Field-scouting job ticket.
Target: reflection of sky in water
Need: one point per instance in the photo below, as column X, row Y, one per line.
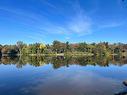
column 74, row 80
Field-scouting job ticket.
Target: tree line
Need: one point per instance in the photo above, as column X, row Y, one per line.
column 57, row 47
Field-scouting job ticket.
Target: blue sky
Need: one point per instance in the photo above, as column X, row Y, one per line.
column 65, row 20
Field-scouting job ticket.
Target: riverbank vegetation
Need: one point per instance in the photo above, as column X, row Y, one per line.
column 61, row 48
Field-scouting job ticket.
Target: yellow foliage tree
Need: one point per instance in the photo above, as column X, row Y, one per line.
column 42, row 46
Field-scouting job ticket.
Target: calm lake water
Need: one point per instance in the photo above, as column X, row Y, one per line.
column 62, row 75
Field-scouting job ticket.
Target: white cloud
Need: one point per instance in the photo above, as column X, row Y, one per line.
column 67, row 38
column 77, row 23
column 80, row 23
column 111, row 25
column 48, row 4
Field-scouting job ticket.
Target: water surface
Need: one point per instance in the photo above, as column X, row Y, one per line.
column 62, row 75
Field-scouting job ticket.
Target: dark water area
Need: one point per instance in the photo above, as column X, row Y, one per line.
column 62, row 75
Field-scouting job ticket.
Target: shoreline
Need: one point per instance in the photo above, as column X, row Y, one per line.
column 61, row 54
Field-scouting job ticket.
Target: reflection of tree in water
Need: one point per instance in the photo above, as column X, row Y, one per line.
column 60, row 61
column 9, row 60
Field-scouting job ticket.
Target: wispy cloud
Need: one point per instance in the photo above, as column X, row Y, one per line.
column 48, row 4
column 76, row 24
column 67, row 38
column 36, row 38
column 80, row 23
column 111, row 25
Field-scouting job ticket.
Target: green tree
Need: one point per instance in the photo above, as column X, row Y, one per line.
column 82, row 47
column 59, row 47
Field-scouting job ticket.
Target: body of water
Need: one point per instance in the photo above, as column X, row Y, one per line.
column 62, row 76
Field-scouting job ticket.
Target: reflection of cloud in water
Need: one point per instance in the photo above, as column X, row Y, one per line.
column 2, row 85
column 73, row 82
